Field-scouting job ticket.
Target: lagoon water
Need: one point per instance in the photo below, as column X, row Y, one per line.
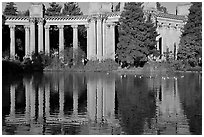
column 102, row 103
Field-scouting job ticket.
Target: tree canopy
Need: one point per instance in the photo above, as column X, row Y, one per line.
column 71, row 8
column 10, row 9
column 54, row 9
column 137, row 36
column 161, row 8
column 190, row 47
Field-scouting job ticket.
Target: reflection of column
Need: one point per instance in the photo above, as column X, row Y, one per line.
column 27, row 40
column 91, row 98
column 27, row 92
column 12, row 41
column 99, row 100
column 61, row 38
column 40, row 102
column 75, row 96
column 47, row 100
column 40, row 35
column 61, row 97
column 110, row 98
column 32, row 101
column 99, row 38
column 32, row 36
column 13, row 100
column 47, row 39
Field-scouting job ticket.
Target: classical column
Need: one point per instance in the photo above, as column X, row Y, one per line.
column 93, row 39
column 110, row 37
column 88, row 42
column 104, row 39
column 27, row 40
column 61, row 39
column 99, row 38
column 75, row 40
column 47, row 39
column 12, row 41
column 40, row 35
column 32, row 36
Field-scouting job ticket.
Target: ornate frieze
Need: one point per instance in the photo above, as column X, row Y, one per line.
column 40, row 20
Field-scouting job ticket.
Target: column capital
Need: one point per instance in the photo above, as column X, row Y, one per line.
column 60, row 26
column 74, row 26
column 40, row 20
column 12, row 26
column 32, row 20
column 87, row 25
column 111, row 25
column 26, row 27
column 47, row 26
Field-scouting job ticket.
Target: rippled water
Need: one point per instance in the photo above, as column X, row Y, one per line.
column 101, row 103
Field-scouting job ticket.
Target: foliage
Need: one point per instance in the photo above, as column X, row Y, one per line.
column 190, row 47
column 161, row 8
column 104, row 65
column 117, row 7
column 10, row 9
column 54, row 9
column 72, row 9
column 137, row 36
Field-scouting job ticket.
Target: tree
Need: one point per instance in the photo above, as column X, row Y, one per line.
column 161, row 8
column 54, row 9
column 71, row 8
column 117, row 7
column 137, row 36
column 10, row 9
column 190, row 47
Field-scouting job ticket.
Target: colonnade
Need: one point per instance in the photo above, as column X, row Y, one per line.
column 100, row 37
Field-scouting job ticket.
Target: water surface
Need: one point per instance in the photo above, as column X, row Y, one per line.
column 102, row 103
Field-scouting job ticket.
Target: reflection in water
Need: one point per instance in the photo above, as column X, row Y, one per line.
column 96, row 103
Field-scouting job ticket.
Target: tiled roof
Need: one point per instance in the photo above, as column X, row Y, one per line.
column 171, row 16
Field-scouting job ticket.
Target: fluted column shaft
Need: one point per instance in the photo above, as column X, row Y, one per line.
column 93, row 39
column 88, row 42
column 40, row 35
column 110, row 49
column 12, row 41
column 99, row 39
column 27, row 40
column 61, row 39
column 104, row 40
column 32, row 36
column 47, row 39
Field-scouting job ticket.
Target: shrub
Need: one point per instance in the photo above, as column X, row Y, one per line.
column 104, row 65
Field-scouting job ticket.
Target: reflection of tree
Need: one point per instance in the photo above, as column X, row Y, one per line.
column 191, row 97
column 136, row 104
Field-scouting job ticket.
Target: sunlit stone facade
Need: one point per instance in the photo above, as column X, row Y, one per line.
column 100, row 25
